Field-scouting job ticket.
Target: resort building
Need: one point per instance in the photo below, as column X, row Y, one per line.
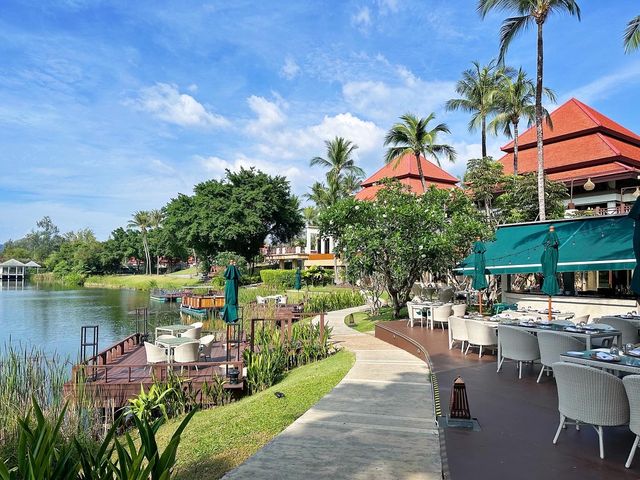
column 406, row 171
column 596, row 158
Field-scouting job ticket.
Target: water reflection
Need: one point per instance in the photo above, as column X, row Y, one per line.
column 52, row 316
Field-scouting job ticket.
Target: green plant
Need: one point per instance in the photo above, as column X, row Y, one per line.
column 147, row 405
column 327, row 302
column 278, row 278
column 315, row 275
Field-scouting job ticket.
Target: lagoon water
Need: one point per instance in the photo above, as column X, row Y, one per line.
column 51, row 316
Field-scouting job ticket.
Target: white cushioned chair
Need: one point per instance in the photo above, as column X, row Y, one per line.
column 458, row 327
column 589, row 395
column 441, row 315
column 632, row 387
column 518, row 345
column 459, row 309
column 187, row 353
column 481, row 336
column 193, row 333
column 551, row 345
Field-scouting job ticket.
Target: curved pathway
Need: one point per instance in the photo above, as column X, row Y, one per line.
column 377, row 423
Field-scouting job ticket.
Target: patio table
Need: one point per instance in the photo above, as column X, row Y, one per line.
column 173, row 329
column 627, row 363
column 584, row 334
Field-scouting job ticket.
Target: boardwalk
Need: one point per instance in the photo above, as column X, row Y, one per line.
column 518, row 419
column 378, row 423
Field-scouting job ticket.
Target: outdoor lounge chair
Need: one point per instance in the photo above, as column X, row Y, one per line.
column 458, row 327
column 551, row 345
column 518, row 345
column 480, row 335
column 589, row 395
column 441, row 315
column 416, row 313
column 632, row 387
column 206, row 345
column 459, row 309
column 193, row 333
column 155, row 354
column 187, row 353
column 628, row 328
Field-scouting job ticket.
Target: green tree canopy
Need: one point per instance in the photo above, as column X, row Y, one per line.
column 484, row 178
column 400, row 235
column 518, row 202
column 235, row 214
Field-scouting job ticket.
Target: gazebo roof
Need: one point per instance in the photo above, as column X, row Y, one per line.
column 12, row 263
column 33, row 264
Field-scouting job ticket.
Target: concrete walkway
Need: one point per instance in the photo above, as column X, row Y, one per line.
column 377, row 423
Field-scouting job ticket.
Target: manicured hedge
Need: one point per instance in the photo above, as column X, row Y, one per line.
column 278, row 278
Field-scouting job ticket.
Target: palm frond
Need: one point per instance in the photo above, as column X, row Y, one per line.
column 511, row 27
column 632, row 35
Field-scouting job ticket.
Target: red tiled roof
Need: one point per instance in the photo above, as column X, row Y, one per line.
column 407, row 167
column 369, row 192
column 574, row 118
column 582, row 142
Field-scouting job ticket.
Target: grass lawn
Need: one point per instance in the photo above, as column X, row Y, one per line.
column 220, row 439
column 139, row 282
column 186, row 271
column 365, row 322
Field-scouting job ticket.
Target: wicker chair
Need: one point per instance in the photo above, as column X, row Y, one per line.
column 206, row 345
column 155, row 354
column 458, row 327
column 632, row 387
column 193, row 333
column 187, row 353
column 416, row 314
column 459, row 309
column 480, row 335
column 562, row 323
column 197, row 325
column 628, row 328
column 551, row 345
column 441, row 315
column 518, row 345
column 589, row 395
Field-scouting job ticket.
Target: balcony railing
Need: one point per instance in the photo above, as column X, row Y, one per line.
column 620, row 209
column 274, row 251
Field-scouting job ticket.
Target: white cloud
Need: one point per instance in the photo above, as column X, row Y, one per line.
column 388, row 6
column 164, row 101
column 362, row 18
column 385, row 101
column 290, row 69
column 269, row 115
column 606, row 85
column 216, row 166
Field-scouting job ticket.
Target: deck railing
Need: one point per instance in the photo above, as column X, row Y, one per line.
column 116, row 350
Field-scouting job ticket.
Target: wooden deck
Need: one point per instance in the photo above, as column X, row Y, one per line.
column 518, row 418
column 116, row 374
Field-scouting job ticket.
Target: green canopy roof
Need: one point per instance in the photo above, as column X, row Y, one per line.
column 592, row 243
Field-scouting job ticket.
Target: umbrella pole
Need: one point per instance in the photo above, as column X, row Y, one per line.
column 480, row 301
column 549, row 307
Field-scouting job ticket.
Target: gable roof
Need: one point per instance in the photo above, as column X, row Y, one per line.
column 582, row 142
column 12, row 263
column 406, row 170
column 32, row 264
column 571, row 119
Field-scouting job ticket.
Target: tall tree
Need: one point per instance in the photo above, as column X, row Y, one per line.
column 339, row 160
column 156, row 217
column 413, row 136
column 515, row 101
column 323, row 195
column 142, row 221
column 632, row 35
column 526, row 13
column 478, row 88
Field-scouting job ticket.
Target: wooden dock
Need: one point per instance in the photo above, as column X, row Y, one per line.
column 116, row 374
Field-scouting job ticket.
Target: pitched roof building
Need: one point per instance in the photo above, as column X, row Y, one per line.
column 406, row 171
column 583, row 147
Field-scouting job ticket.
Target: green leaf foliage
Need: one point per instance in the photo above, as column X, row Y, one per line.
column 278, row 278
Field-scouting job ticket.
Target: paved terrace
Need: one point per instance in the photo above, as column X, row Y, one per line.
column 518, row 420
column 377, row 423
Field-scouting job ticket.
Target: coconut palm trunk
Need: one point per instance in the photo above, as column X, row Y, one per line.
column 422, row 182
column 484, row 136
column 515, row 149
column 539, row 133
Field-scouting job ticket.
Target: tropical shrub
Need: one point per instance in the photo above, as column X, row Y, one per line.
column 315, row 275
column 149, row 405
column 278, row 278
column 327, row 302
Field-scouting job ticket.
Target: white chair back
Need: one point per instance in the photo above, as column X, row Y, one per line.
column 197, row 325
column 261, row 300
column 441, row 314
column 281, row 300
column 517, row 344
column 458, row 328
column 480, row 334
column 193, row 333
column 581, row 319
column 154, row 353
column 206, row 344
column 628, row 328
column 552, row 344
column 459, row 309
column 632, row 387
column 187, row 352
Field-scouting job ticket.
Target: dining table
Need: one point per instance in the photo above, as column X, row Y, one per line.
column 173, row 329
column 619, row 362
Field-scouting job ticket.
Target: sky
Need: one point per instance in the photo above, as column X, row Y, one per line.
column 113, row 106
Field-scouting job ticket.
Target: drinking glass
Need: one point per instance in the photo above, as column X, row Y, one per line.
column 614, row 350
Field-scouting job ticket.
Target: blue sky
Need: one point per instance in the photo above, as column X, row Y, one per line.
column 107, row 107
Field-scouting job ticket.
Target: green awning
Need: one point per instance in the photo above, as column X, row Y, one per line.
column 586, row 244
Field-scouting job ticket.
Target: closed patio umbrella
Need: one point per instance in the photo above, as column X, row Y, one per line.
column 479, row 281
column 635, row 214
column 549, row 261
column 230, row 310
column 298, row 283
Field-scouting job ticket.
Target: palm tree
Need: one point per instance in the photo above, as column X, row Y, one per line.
column 528, row 12
column 632, row 35
column 478, row 88
column 413, row 136
column 323, row 195
column 350, row 184
column 515, row 101
column 310, row 215
column 142, row 221
column 156, row 217
column 339, row 159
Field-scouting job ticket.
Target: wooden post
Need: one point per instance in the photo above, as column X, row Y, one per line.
column 253, row 334
column 321, row 328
